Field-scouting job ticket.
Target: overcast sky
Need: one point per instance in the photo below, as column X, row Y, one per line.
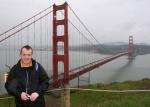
column 108, row 20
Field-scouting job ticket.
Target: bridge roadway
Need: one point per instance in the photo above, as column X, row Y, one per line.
column 74, row 73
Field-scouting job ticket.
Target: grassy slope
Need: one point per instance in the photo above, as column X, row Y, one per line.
column 103, row 99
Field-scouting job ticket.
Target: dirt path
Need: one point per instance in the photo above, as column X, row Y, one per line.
column 55, row 102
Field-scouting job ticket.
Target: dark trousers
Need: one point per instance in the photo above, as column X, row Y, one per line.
column 40, row 102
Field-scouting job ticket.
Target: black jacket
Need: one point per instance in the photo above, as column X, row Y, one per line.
column 27, row 79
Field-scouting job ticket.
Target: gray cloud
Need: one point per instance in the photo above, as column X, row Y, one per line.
column 108, row 20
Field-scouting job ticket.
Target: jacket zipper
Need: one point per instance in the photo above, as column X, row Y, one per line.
column 27, row 81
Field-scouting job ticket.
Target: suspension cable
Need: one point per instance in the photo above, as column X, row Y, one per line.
column 81, row 33
column 25, row 21
column 88, row 30
column 25, row 26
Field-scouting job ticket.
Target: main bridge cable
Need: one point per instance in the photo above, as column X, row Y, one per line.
column 108, row 50
column 79, row 31
column 25, row 26
column 25, row 21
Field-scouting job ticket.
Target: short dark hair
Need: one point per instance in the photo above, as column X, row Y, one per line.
column 26, row 47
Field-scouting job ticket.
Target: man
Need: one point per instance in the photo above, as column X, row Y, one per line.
column 27, row 81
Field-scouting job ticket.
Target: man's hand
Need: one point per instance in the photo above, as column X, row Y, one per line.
column 34, row 96
column 25, row 96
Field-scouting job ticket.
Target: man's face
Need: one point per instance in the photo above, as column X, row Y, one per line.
column 26, row 55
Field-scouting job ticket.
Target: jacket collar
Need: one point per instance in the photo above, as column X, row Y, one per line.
column 32, row 64
column 21, row 64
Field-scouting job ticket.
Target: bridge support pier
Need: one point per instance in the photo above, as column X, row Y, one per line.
column 65, row 96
